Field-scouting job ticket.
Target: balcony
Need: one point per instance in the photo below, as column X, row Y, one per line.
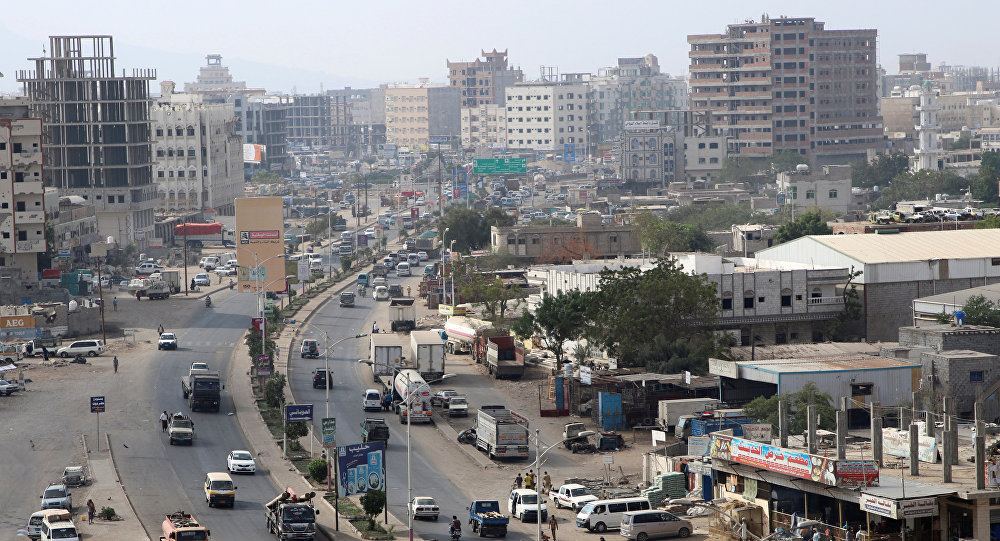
column 826, row 301
column 29, row 217
column 29, row 187
column 37, row 245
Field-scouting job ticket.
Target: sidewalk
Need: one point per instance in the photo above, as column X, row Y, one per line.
column 107, row 491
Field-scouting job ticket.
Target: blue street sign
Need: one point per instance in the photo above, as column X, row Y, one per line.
column 97, row 404
column 298, row 412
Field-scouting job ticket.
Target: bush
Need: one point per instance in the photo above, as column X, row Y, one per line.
column 297, row 430
column 373, row 503
column 317, row 470
column 107, row 513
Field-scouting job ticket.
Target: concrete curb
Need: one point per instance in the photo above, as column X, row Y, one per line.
column 128, row 499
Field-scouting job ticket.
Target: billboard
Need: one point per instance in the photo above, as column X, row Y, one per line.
column 897, row 443
column 253, row 153
column 828, row 471
column 260, row 233
column 642, row 125
column 361, row 468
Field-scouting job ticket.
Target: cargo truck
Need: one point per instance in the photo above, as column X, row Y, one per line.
column 200, row 234
column 427, row 354
column 670, row 411
column 201, row 388
column 501, row 433
column 691, row 425
column 502, row 360
column 402, row 314
column 386, row 355
column 290, row 516
column 412, row 397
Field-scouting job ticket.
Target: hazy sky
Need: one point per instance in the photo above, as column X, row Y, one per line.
column 303, row 44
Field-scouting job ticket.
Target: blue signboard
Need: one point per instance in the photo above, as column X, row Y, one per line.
column 298, row 412
column 362, row 240
column 361, row 468
column 97, row 404
column 569, row 152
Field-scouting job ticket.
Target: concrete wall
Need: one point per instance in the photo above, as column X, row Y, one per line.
column 889, row 306
column 945, row 338
column 952, row 376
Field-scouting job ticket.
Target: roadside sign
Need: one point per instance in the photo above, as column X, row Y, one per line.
column 263, row 365
column 298, row 412
column 329, row 432
column 608, row 459
column 97, row 404
column 500, row 166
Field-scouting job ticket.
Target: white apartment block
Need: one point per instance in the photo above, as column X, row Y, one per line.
column 22, row 203
column 547, row 116
column 827, row 186
column 198, row 155
column 484, row 126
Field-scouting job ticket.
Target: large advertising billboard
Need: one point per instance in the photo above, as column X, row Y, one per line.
column 821, row 469
column 361, row 468
column 259, row 244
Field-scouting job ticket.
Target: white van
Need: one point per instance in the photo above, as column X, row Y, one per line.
column 58, row 524
column 403, row 269
column 413, row 259
column 599, row 515
column 372, row 400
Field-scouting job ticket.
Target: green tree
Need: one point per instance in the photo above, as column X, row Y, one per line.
column 373, row 503
column 317, row 470
column 880, row 171
column 981, row 311
column 766, row 409
column 44, row 259
column 253, row 340
column 465, row 227
column 720, row 216
column 296, row 430
column 632, row 308
column 920, row 185
column 661, row 236
column 274, row 390
column 985, row 185
column 557, row 320
column 988, row 222
column 265, row 177
column 809, row 223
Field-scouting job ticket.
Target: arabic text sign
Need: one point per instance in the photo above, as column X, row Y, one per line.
column 360, row 468
column 758, row 432
column 897, row 443
column 500, row 166
column 97, row 404
column 896, row 509
column 329, row 432
column 855, row 473
column 795, row 463
column 298, row 412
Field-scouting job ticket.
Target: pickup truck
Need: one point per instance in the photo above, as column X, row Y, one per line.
column 486, row 518
column 181, row 429
column 573, row 496
column 375, row 429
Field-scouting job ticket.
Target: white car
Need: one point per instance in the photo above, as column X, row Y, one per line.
column 424, row 506
column 90, row 348
column 168, row 340
column 241, row 462
column 370, row 232
column 202, row 279
column 380, row 293
column 226, row 271
column 372, row 400
column 422, row 256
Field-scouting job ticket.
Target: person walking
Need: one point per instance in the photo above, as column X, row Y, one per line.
column 547, row 486
column 115, row 363
column 529, row 480
column 374, row 327
column 553, row 526
column 518, row 480
column 115, row 303
column 45, row 353
column 91, row 511
column 138, row 295
column 159, row 329
column 163, row 420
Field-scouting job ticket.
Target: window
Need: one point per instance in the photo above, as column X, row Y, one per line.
column 636, row 506
column 832, row 194
column 748, row 302
column 863, row 389
column 976, row 376
column 810, row 194
column 617, row 508
column 786, row 300
column 727, row 304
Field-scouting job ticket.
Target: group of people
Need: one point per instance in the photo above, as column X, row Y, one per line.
column 531, row 478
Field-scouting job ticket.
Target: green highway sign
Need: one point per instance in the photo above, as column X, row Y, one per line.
column 500, row 166
column 329, row 432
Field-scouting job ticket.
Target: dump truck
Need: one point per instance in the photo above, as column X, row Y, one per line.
column 386, row 355
column 402, row 314
column 427, row 354
column 202, row 388
column 181, row 526
column 290, row 516
column 501, row 433
column 462, row 332
column 502, row 361
column 486, row 518
column 481, row 344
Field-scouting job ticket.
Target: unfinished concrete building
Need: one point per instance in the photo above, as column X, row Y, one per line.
column 96, row 132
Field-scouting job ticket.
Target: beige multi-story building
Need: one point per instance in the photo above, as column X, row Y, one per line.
column 199, row 156
column 828, row 186
column 22, row 193
column 590, row 238
column 547, row 116
column 957, row 111
column 789, row 84
column 414, row 113
column 483, row 81
column 484, row 127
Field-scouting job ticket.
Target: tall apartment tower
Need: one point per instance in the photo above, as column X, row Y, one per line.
column 22, row 203
column 483, row 81
column 789, row 84
column 96, row 132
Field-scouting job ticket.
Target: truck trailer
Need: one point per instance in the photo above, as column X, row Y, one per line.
column 386, row 355
column 501, row 433
column 427, row 354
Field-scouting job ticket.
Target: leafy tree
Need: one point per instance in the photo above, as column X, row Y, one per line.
column 766, row 409
column 988, row 222
column 465, row 227
column 373, row 503
column 981, row 311
column 920, row 185
column 274, row 390
column 633, row 308
column 809, row 223
column 253, row 340
column 716, row 217
column 497, row 217
column 965, row 142
column 265, row 177
column 557, row 320
column 297, row 429
column 491, row 292
column 880, row 171
column 317, row 470
column 741, row 168
column 661, row 236
column 44, row 259
column 686, row 353
column 985, row 185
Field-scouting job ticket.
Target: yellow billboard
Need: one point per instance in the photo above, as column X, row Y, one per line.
column 260, row 248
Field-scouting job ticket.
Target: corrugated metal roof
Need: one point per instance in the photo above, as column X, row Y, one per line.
column 991, row 292
column 915, row 246
column 803, row 351
column 828, row 364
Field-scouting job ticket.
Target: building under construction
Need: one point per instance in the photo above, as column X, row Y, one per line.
column 96, row 132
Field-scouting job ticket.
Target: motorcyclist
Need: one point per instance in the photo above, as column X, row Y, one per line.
column 208, row 301
column 456, row 526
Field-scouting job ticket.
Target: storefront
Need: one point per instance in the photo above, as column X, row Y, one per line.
column 915, row 507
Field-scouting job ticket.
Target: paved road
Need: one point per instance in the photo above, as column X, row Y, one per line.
column 162, row 478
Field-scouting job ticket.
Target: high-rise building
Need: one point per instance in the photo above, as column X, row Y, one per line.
column 789, row 84
column 484, row 127
column 367, row 114
column 97, row 132
column 414, row 113
column 199, row 155
column 320, row 122
column 548, row 116
column 22, row 194
column 482, row 81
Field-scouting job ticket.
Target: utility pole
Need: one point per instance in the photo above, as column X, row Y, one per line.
column 440, row 193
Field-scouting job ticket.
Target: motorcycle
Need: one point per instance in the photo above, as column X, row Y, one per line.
column 455, row 534
column 208, row 302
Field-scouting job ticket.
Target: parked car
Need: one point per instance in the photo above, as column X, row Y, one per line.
column 148, row 268
column 424, row 507
column 168, row 340
column 202, row 279
column 643, row 525
column 226, row 271
column 89, row 348
column 57, row 497
column 241, row 462
column 441, row 398
column 372, row 400
column 8, row 387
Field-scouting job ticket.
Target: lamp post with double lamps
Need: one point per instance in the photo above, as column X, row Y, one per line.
column 539, row 453
column 407, row 402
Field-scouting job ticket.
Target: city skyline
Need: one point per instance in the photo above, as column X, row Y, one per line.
column 408, row 43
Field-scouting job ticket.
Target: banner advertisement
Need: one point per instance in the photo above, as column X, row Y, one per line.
column 758, row 432
column 698, row 445
column 897, row 443
column 361, row 468
column 897, row 509
column 260, row 232
column 795, row 463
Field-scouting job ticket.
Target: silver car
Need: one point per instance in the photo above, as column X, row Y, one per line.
column 57, row 497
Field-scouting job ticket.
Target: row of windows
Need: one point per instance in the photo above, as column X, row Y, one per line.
column 170, row 152
column 180, row 173
column 179, row 131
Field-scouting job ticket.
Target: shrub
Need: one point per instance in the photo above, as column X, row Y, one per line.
column 317, row 470
column 107, row 513
column 373, row 503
